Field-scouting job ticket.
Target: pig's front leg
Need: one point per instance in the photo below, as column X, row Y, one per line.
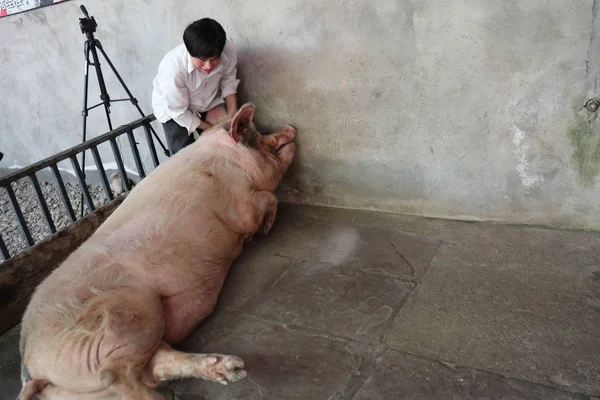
column 258, row 209
column 266, row 209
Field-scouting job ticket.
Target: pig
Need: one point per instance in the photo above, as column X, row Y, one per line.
column 104, row 324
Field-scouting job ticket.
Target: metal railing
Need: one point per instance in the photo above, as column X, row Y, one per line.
column 71, row 155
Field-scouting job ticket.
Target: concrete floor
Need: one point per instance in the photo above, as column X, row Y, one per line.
column 338, row 304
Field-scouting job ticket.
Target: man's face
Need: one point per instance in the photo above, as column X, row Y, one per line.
column 206, row 65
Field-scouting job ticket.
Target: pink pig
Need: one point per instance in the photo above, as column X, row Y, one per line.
column 102, row 324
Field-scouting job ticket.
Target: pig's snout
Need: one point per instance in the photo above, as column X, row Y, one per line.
column 290, row 131
column 286, row 137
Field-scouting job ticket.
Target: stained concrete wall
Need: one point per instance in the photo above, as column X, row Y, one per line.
column 461, row 109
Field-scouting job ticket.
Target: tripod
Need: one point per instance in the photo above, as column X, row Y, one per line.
column 92, row 45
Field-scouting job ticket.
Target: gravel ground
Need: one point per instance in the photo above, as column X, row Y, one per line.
column 9, row 226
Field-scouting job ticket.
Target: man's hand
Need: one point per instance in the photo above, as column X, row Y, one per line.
column 231, row 105
column 204, row 125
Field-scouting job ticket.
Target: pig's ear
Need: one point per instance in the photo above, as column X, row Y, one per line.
column 241, row 121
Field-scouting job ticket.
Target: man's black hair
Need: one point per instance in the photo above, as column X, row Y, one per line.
column 204, row 39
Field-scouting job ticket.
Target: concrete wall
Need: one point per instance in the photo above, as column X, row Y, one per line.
column 457, row 108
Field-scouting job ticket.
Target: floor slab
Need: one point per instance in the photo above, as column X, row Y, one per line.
column 334, row 299
column 402, row 376
column 10, row 365
column 387, row 252
column 282, row 363
column 517, row 305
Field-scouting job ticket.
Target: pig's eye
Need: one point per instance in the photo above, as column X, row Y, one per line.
column 252, row 141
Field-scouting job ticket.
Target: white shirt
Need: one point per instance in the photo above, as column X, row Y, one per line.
column 180, row 90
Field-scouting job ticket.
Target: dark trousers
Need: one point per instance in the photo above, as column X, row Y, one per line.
column 177, row 136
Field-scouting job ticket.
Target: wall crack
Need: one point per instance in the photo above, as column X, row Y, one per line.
column 593, row 55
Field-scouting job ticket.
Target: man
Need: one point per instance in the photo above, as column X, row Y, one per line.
column 193, row 81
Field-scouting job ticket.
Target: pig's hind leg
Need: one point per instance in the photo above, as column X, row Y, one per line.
column 129, row 324
column 168, row 364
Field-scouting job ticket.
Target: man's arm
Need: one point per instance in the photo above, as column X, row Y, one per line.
column 231, row 104
column 204, row 125
column 173, row 88
column 229, row 81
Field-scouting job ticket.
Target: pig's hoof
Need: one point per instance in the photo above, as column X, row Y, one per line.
column 266, row 225
column 248, row 239
column 264, row 229
column 225, row 369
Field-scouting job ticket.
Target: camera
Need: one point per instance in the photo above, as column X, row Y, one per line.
column 88, row 24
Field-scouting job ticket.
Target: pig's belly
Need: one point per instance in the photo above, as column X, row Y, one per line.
column 184, row 311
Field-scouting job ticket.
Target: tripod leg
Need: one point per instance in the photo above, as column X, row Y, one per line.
column 85, row 89
column 103, row 92
column 85, row 108
column 114, row 70
column 133, row 100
